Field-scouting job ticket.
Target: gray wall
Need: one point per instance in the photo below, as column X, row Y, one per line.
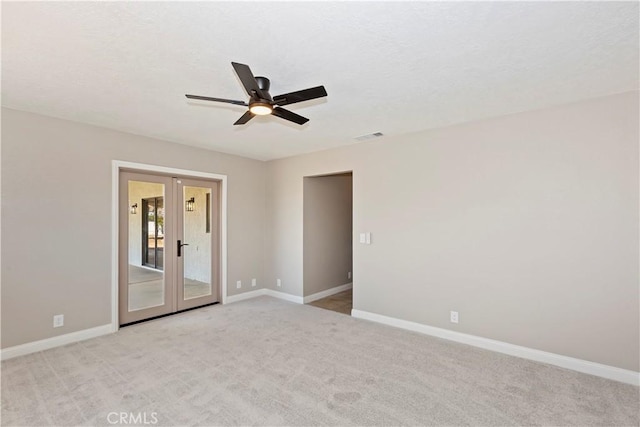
column 56, row 219
column 327, row 253
column 527, row 225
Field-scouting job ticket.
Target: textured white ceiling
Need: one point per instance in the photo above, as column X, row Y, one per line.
column 389, row 67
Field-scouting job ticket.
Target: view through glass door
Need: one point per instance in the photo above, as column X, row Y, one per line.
column 199, row 249
column 169, row 246
column 153, row 232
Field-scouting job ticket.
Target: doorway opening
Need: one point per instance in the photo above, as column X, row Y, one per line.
column 328, row 241
column 170, row 249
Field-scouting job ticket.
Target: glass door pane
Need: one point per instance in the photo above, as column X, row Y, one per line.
column 197, row 257
column 146, row 276
column 198, row 227
column 145, row 280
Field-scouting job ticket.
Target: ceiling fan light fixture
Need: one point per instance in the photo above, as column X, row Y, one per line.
column 260, row 108
column 261, row 103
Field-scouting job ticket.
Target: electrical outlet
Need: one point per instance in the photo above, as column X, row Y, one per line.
column 278, row 282
column 349, row 275
column 58, row 320
column 238, row 284
column 253, row 283
column 454, row 317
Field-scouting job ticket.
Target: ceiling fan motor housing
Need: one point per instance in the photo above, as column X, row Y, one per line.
column 264, row 84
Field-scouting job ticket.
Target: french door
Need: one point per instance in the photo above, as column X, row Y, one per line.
column 169, row 247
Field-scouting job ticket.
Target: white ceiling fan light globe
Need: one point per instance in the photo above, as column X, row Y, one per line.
column 261, row 109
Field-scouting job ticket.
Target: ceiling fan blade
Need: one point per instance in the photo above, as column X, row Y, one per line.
column 288, row 115
column 245, row 118
column 248, row 80
column 208, row 98
column 300, row 95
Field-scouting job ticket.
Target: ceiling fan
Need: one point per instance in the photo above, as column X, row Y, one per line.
column 261, row 103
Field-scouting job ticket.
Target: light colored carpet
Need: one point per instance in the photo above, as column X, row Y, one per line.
column 269, row 362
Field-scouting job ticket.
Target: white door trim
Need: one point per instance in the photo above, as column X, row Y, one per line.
column 115, row 172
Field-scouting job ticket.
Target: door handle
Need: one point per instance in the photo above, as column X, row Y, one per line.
column 180, row 245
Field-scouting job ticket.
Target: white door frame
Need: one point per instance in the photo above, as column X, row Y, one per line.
column 116, row 166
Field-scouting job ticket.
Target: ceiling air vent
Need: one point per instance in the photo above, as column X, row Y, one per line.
column 369, row 136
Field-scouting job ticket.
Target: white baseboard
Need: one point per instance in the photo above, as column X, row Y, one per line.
column 284, row 296
column 245, row 295
column 261, row 292
column 584, row 366
column 328, row 292
column 35, row 346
